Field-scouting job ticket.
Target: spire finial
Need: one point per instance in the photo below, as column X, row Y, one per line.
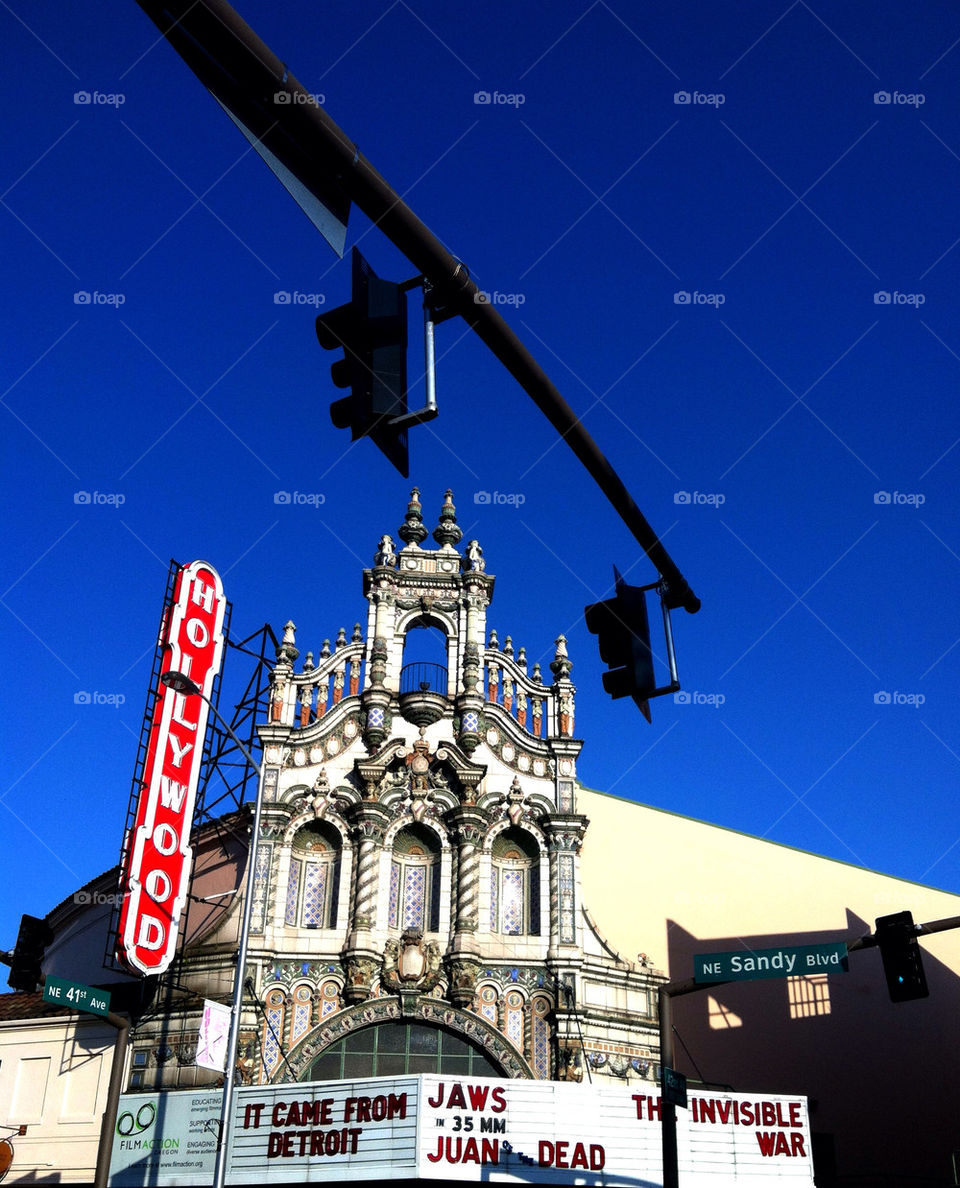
column 447, row 532
column 561, row 665
column 288, row 645
column 412, row 531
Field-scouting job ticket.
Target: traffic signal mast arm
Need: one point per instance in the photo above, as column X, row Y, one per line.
column 870, row 941
column 230, row 60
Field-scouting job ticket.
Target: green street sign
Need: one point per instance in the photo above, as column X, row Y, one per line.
column 76, row 995
column 674, row 1087
column 786, row 961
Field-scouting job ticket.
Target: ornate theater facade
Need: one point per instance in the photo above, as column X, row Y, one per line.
column 417, row 904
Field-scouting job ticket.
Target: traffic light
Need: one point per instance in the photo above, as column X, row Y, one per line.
column 624, row 631
column 371, row 329
column 32, row 939
column 902, row 957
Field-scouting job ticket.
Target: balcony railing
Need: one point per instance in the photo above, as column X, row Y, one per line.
column 423, row 677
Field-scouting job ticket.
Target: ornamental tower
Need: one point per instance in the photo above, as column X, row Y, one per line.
column 418, row 864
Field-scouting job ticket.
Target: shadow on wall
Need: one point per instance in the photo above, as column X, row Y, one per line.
column 880, row 1076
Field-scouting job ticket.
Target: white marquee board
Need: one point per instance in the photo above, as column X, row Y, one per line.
column 504, row 1131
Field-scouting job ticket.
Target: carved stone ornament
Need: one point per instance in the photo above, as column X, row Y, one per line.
column 409, row 964
column 360, row 974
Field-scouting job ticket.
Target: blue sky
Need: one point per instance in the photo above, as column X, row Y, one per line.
column 730, row 236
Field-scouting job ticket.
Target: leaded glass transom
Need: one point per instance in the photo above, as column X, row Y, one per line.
column 399, row 1049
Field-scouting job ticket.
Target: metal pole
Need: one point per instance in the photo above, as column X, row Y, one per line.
column 668, row 1111
column 430, row 376
column 109, row 1124
column 184, row 686
column 226, row 1112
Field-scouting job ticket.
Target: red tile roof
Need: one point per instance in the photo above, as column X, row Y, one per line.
column 29, row 1006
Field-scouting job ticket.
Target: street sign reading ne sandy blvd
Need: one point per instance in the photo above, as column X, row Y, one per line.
column 76, row 995
column 785, row 961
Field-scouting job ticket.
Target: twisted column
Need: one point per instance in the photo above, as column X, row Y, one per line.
column 467, row 823
column 368, row 822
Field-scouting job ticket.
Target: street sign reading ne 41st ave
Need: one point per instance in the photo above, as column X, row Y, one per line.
column 785, row 961
column 76, row 995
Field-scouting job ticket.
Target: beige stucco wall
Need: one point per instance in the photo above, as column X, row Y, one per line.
column 880, row 1075
column 54, row 1076
column 642, row 867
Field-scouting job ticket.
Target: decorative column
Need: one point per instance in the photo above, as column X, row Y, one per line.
column 283, row 695
column 564, row 837
column 563, row 689
column 380, row 587
column 368, row 821
column 467, row 824
column 375, row 698
column 470, row 701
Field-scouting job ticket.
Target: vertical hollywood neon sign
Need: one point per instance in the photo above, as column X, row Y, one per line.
column 156, row 874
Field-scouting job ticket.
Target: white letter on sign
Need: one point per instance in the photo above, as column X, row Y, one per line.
column 202, row 595
column 151, row 933
column 165, row 839
column 197, row 632
column 178, row 751
column 158, row 885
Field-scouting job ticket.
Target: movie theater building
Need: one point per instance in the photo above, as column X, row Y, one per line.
column 438, row 900
column 417, row 899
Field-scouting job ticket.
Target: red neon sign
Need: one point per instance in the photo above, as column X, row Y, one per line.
column 158, row 857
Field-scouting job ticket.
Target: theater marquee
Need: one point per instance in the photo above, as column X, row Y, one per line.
column 481, row 1129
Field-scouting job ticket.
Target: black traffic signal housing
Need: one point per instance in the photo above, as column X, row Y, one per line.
column 371, row 329
column 623, row 627
column 902, row 957
column 25, row 965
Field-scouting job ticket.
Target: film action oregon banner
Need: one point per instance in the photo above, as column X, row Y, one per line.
column 166, row 1138
column 478, row 1128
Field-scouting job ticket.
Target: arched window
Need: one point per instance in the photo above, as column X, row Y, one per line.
column 424, row 657
column 513, row 1004
column 515, row 884
column 540, row 1036
column 301, row 1010
column 314, row 879
column 400, row 1049
column 415, row 880
column 274, row 1009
